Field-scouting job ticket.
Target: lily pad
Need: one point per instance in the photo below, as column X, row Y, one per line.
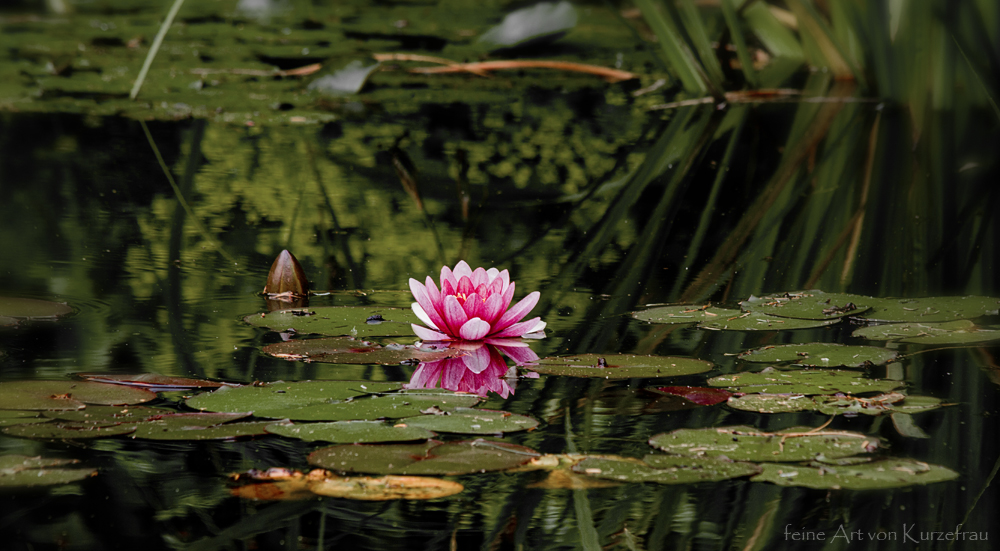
column 335, row 321
column 666, row 469
column 821, row 355
column 281, row 395
column 350, row 432
column 349, row 80
column 685, row 313
column 951, row 332
column 386, row 488
column 803, row 381
column 107, row 415
column 893, row 402
column 542, row 22
column 11, row 417
column 755, row 321
column 743, row 443
column 619, row 366
column 341, row 350
column 42, row 395
column 473, row 421
column 389, row 406
column 808, row 305
column 432, row 457
column 20, row 471
column 173, row 431
column 696, row 395
column 875, row 475
column 150, row 381
column 184, row 425
column 931, row 309
column 32, row 309
column 69, row 431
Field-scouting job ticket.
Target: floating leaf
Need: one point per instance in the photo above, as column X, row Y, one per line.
column 69, row 430
column 342, row 350
column 742, row 443
column 356, row 321
column 350, row 432
column 174, row 431
column 150, row 381
column 473, row 421
column 808, row 305
column 906, row 426
column 386, row 488
column 754, row 321
column 875, row 475
column 32, row 309
column 11, row 417
column 431, row 457
column 349, row 80
column 389, row 406
column 619, row 366
column 803, row 381
column 666, row 469
column 835, row 405
column 107, row 415
column 185, row 424
column 684, row 314
column 42, row 395
column 821, row 354
column 542, row 22
column 931, row 309
column 21, row 471
column 695, row 394
column 950, row 332
column 284, row 395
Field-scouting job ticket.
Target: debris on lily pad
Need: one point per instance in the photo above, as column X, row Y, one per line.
column 743, row 443
column 619, row 366
column 893, row 402
column 283, row 395
column 286, row 484
column 150, row 381
column 473, row 421
column 336, row 321
column 702, row 396
column 431, row 458
column 21, row 471
column 755, row 321
column 666, row 469
column 17, row 309
column 350, row 432
column 44, row 395
column 545, row 21
column 397, row 405
column 874, row 475
column 808, row 305
column 341, row 350
column 949, row 332
column 685, row 313
column 931, row 309
column 803, row 381
column 820, row 354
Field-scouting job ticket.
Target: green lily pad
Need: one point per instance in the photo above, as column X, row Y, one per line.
column 42, row 395
column 33, row 309
column 743, row 443
column 619, row 366
column 69, row 430
column 755, row 321
column 473, row 421
column 342, row 350
column 803, row 381
column 665, row 469
column 808, row 305
column 950, row 332
column 821, row 354
column 388, row 406
column 835, row 405
column 350, row 432
column 335, row 321
column 20, row 471
column 284, row 395
column 156, row 431
column 12, row 417
column 179, row 426
column 108, row 415
column 151, row 381
column 931, row 309
column 875, row 475
column 686, row 313
column 431, row 458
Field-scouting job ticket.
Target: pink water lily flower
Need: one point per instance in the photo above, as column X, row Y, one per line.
column 471, row 305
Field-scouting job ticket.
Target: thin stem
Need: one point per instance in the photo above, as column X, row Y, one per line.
column 155, row 48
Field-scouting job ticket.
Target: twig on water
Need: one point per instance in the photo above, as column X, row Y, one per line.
column 611, row 75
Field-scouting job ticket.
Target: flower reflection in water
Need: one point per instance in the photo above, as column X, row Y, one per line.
column 480, row 370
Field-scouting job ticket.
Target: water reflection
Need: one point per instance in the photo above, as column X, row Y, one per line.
column 481, row 370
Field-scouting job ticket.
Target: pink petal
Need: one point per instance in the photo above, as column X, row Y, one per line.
column 447, row 287
column 540, row 326
column 473, row 305
column 454, row 315
column 491, row 310
column 462, row 269
column 518, row 329
column 474, row 329
column 428, row 334
column 423, row 297
column 448, row 276
column 492, row 274
column 479, row 277
column 520, row 356
column 495, row 287
column 505, row 278
column 432, row 292
column 419, row 311
column 465, row 287
column 452, row 373
column 478, row 360
column 518, row 311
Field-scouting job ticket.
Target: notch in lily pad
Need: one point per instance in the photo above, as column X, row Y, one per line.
column 808, row 305
column 619, row 366
column 874, row 475
column 743, row 443
column 685, row 313
column 803, row 381
column 429, row 458
column 820, row 354
column 950, row 332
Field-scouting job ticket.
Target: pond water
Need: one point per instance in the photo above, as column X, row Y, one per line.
column 583, row 194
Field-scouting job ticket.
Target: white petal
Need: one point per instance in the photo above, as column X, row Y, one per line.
column 419, row 311
column 429, row 335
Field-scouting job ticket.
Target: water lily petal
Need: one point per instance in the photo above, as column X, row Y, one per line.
column 505, row 278
column 517, row 312
column 429, row 334
column 479, row 277
column 454, row 315
column 465, row 286
column 538, row 327
column 492, row 274
column 423, row 296
column 474, row 329
column 491, row 309
column 462, row 269
column 518, row 329
column 447, row 288
column 478, row 360
column 419, row 311
column 520, row 355
column 473, row 305
column 448, row 276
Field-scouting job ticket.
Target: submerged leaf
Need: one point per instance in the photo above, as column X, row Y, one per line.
column 742, row 443
column 21, row 471
column 686, row 313
column 619, row 366
column 33, row 309
column 887, row 473
column 432, row 457
column 803, row 381
column 695, row 394
column 821, row 354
